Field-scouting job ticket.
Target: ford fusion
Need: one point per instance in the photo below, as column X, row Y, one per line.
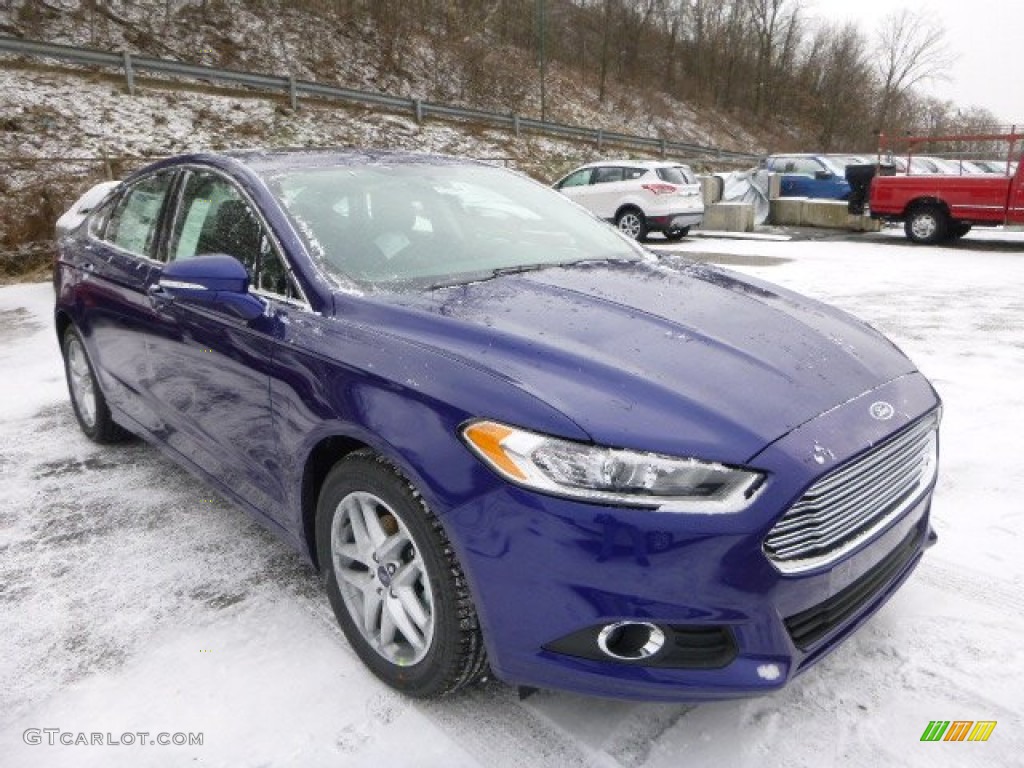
column 508, row 438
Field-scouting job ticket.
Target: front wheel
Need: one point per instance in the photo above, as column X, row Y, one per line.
column 632, row 224
column 394, row 583
column 926, row 225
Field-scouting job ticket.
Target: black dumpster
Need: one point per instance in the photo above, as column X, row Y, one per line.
column 859, row 177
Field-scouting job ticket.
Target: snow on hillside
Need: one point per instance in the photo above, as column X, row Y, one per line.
column 282, row 38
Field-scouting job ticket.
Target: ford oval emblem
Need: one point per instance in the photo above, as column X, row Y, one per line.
column 882, row 411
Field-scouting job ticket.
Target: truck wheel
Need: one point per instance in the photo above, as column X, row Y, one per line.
column 926, row 224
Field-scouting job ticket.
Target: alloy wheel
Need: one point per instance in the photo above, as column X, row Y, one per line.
column 83, row 387
column 382, row 578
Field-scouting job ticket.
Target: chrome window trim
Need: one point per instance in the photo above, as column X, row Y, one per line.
column 114, row 201
column 301, row 301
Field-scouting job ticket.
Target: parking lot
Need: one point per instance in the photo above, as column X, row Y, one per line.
column 136, row 600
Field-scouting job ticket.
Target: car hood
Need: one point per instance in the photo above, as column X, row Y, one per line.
column 684, row 359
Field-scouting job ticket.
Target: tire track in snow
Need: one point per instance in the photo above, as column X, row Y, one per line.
column 632, row 741
column 981, row 588
column 490, row 724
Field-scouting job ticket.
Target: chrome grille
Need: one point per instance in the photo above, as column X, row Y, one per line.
column 851, row 503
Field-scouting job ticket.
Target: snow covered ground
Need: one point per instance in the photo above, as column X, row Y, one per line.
column 134, row 600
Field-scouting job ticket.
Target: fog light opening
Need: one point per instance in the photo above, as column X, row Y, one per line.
column 630, row 640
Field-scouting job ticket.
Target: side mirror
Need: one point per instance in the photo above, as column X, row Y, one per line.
column 217, row 281
column 823, row 175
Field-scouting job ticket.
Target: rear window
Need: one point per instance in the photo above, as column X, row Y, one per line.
column 677, row 175
column 605, row 175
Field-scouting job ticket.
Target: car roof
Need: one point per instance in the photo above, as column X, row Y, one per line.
column 649, row 164
column 269, row 160
column 306, row 157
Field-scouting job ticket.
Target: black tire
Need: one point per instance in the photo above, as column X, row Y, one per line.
column 632, row 223
column 676, row 234
column 926, row 224
column 87, row 399
column 453, row 656
column 958, row 230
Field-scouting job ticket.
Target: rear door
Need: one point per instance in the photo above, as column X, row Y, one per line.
column 117, row 256
column 606, row 190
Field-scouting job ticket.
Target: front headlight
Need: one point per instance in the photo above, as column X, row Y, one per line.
column 611, row 475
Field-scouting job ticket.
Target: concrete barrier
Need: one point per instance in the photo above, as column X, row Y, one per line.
column 825, row 214
column 729, row 217
column 828, row 214
column 786, row 211
column 711, row 189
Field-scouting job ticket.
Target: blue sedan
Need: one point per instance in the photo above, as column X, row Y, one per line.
column 506, row 436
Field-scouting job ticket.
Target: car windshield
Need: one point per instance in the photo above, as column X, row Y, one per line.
column 421, row 225
column 844, row 160
column 834, row 165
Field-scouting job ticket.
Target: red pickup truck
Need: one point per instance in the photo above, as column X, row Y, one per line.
column 938, row 208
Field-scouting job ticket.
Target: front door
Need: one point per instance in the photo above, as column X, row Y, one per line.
column 211, row 378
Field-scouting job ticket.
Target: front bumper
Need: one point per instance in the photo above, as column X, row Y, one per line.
column 543, row 568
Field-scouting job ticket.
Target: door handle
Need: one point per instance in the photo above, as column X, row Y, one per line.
column 158, row 296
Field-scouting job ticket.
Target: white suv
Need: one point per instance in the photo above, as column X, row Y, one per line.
column 638, row 195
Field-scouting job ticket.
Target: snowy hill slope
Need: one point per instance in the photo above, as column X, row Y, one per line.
column 63, row 129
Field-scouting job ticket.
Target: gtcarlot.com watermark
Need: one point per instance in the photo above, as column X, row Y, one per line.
column 55, row 736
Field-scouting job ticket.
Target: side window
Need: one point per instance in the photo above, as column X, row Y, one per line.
column 98, row 219
column 133, row 221
column 215, row 218
column 633, row 173
column 606, row 174
column 806, row 166
column 272, row 276
column 578, row 179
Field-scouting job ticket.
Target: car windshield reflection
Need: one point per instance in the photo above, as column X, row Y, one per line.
column 401, row 227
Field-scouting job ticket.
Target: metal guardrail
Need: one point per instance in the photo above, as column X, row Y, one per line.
column 131, row 64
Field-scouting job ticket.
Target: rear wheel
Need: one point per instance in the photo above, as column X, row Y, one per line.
column 394, row 582
column 631, row 223
column 677, row 234
column 86, row 397
column 926, row 224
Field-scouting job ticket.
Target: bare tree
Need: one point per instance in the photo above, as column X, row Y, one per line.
column 835, row 81
column 911, row 48
column 774, row 25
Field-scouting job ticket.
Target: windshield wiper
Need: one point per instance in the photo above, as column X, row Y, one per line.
column 517, row 269
column 480, row 277
column 520, row 268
